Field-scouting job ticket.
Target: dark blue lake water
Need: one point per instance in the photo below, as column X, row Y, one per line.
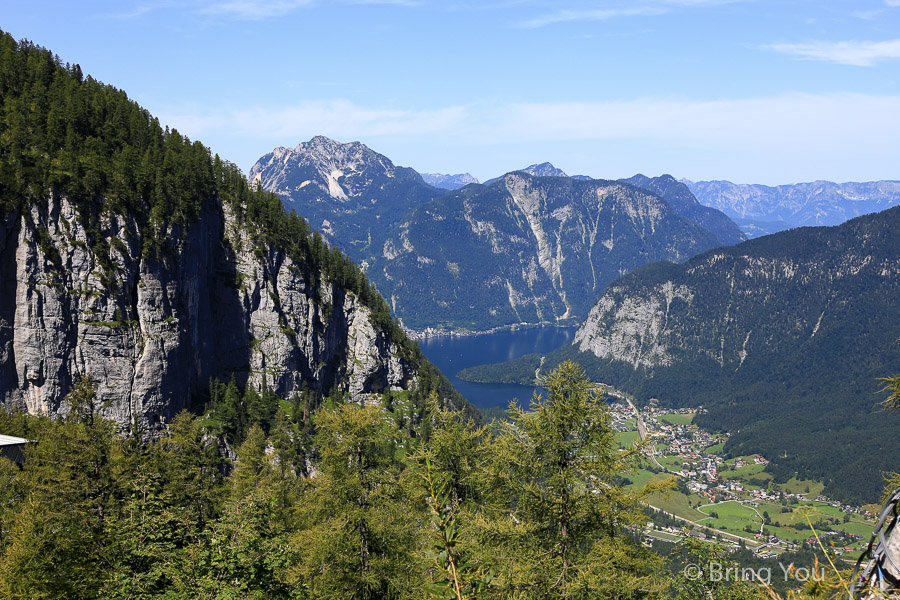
column 452, row 354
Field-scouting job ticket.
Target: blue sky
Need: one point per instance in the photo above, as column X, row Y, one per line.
column 753, row 91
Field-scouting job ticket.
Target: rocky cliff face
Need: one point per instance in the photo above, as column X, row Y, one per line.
column 525, row 250
column 152, row 332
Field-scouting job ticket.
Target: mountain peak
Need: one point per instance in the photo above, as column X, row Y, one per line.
column 544, row 169
column 338, row 170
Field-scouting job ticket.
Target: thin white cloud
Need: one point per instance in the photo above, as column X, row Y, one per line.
column 861, row 54
column 646, row 8
column 893, row 3
column 602, row 14
column 828, row 127
column 836, row 121
column 254, row 9
column 249, row 10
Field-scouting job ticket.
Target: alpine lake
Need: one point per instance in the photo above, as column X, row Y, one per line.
column 451, row 354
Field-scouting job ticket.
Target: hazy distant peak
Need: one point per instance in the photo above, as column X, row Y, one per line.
column 448, row 182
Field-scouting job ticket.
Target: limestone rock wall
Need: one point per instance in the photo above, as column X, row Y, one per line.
column 153, row 331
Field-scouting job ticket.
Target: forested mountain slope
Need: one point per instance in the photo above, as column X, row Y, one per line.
column 129, row 254
column 782, row 338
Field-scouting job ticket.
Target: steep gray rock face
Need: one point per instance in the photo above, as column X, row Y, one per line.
column 526, row 250
column 152, row 331
column 801, row 204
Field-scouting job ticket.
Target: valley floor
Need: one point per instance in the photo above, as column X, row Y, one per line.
column 731, row 499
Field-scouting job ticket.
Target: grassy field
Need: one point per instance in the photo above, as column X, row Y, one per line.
column 826, row 512
column 675, row 419
column 715, row 449
column 747, row 473
column 797, row 486
column 626, row 439
column 670, row 462
column 640, row 477
column 664, row 535
column 677, row 504
column 732, row 517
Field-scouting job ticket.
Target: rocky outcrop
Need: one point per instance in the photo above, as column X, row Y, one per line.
column 152, row 330
column 685, row 204
column 525, row 249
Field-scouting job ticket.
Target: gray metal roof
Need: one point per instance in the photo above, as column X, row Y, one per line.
column 8, row 440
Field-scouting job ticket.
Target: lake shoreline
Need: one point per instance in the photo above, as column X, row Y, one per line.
column 430, row 333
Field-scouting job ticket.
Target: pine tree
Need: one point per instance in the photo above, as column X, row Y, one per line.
column 560, row 511
column 355, row 539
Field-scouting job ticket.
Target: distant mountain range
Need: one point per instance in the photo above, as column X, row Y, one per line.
column 761, row 209
column 534, row 246
column 782, row 339
column 448, row 182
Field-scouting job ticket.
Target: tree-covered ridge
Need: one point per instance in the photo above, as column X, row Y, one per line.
column 63, row 134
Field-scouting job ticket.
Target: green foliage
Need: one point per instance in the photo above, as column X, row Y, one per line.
column 521, row 371
column 555, row 474
column 535, row 513
column 704, row 576
column 355, row 541
column 458, row 579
